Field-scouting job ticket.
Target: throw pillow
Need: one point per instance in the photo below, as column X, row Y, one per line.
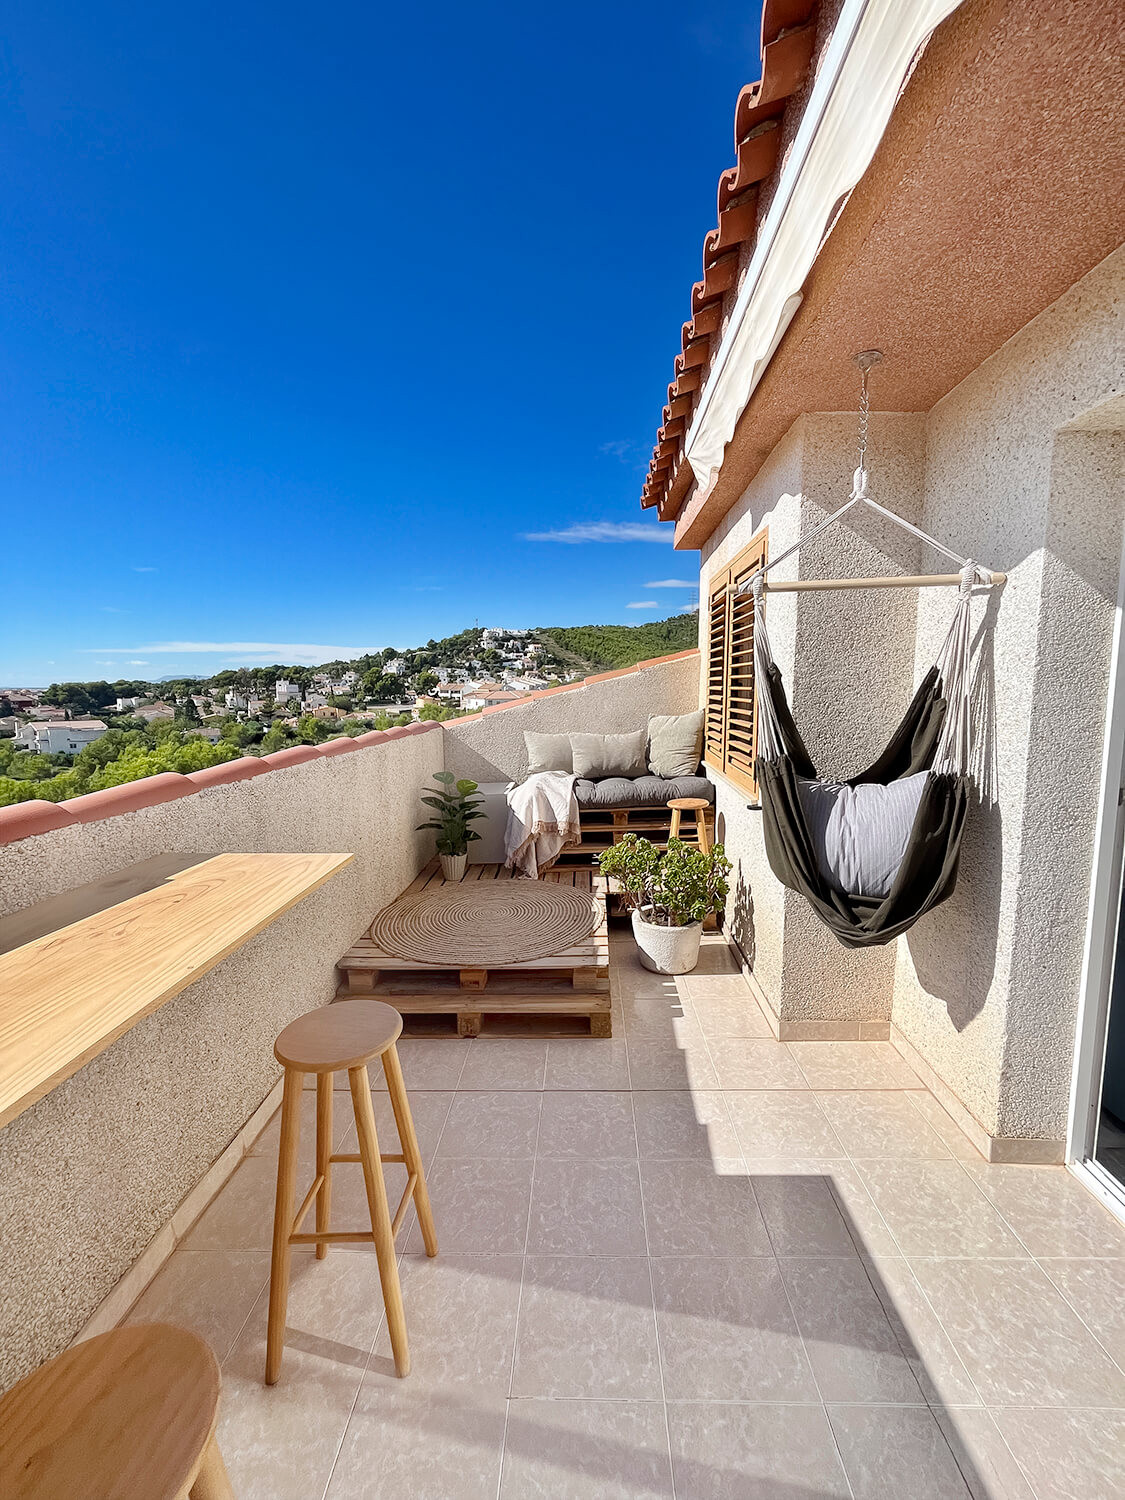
column 597, row 755
column 547, row 752
column 675, row 744
column 860, row 833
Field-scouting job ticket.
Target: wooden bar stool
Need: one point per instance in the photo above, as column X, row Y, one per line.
column 346, row 1035
column 129, row 1415
column 700, row 807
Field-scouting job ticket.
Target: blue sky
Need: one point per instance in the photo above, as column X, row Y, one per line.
column 316, row 321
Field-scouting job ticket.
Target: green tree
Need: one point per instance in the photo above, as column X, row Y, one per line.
column 425, row 682
column 187, row 712
column 6, row 709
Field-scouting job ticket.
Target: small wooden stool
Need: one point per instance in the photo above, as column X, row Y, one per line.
column 348, row 1034
column 127, row 1414
column 700, row 807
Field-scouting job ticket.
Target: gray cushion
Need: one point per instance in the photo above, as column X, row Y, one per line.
column 548, row 752
column 859, row 833
column 609, row 754
column 675, row 744
column 618, row 792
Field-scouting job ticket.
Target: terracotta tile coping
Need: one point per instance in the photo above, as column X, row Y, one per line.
column 24, row 819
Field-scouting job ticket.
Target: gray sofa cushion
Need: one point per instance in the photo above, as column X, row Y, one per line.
column 619, row 792
column 597, row 755
column 675, row 743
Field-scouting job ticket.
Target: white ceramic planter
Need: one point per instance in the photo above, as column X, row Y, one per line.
column 453, row 866
column 667, row 950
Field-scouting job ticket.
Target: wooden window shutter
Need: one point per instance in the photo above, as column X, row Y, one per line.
column 731, row 732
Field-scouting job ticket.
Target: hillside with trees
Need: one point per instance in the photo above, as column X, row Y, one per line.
column 604, row 646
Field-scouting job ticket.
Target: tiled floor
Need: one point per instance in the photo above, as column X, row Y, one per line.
column 690, row 1262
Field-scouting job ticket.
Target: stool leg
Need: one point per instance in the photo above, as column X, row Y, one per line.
column 674, row 829
column 211, row 1483
column 400, row 1103
column 703, row 837
column 380, row 1216
column 323, row 1153
column 285, row 1207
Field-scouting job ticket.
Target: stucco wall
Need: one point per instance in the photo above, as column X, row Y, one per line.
column 490, row 747
column 986, row 988
column 90, row 1173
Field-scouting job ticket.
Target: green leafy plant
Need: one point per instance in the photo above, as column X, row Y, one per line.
column 670, row 890
column 456, row 808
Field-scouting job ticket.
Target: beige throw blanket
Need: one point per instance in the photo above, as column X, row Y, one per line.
column 542, row 820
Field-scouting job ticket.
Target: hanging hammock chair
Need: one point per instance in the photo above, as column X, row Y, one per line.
column 873, row 854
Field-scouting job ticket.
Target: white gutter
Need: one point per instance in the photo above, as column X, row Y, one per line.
column 860, row 78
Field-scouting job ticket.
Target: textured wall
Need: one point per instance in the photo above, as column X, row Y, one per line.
column 490, row 747
column 986, row 987
column 90, row 1173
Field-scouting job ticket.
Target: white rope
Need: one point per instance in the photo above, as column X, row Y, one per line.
column 954, row 755
column 769, row 736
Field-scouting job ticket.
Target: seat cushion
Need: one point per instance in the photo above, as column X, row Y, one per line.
column 619, row 792
column 859, row 833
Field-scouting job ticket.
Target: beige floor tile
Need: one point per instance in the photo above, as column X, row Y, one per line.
column 212, row 1292
column 800, row 1209
column 867, row 1226
column 586, row 1208
column 891, row 1452
column 588, row 1063
column 690, row 1209
column 504, row 1063
column 747, row 1064
column 482, row 1125
column 405, row 1442
column 659, row 1018
column 1096, row 1291
column 241, row 1216
column 1053, row 1214
column 480, row 1207
column 935, row 1208
column 663, row 1065
column 680, row 1124
column 780, row 1122
column 725, row 1016
column 428, row 1062
column 929, row 1351
column 697, row 986
column 944, row 1125
column 587, row 1125
column 984, row 1458
column 586, row 1450
column 716, row 957
column 726, row 1332
column 1068, row 1455
column 853, row 1065
column 723, row 1451
column 279, row 1442
column 882, row 1123
column 1019, row 1339
column 586, row 1327
column 854, row 1351
column 267, row 1143
column 460, row 1320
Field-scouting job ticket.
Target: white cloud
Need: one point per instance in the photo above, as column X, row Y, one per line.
column 144, row 570
column 674, row 583
column 265, row 651
column 642, row 604
column 603, row 531
column 137, row 664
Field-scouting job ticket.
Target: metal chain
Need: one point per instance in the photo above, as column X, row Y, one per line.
column 864, row 413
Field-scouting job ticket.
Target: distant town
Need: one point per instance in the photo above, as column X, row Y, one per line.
column 76, row 737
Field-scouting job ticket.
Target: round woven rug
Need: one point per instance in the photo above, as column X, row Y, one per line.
column 482, row 924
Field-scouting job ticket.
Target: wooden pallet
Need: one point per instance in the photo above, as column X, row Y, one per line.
column 603, row 827
column 572, row 982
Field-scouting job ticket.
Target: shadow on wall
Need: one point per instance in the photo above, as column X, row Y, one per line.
column 954, row 948
column 741, row 916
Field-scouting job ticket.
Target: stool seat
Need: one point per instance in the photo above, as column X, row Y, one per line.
column 125, row 1415
column 689, row 804
column 339, row 1037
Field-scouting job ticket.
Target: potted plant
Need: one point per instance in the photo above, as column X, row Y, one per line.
column 456, row 808
column 669, row 895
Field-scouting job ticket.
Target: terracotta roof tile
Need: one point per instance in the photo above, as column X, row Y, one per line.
column 148, row 792
column 788, row 36
column 23, row 819
column 292, row 755
column 339, row 746
column 230, row 771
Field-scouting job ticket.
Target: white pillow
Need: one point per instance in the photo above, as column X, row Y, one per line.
column 860, row 833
